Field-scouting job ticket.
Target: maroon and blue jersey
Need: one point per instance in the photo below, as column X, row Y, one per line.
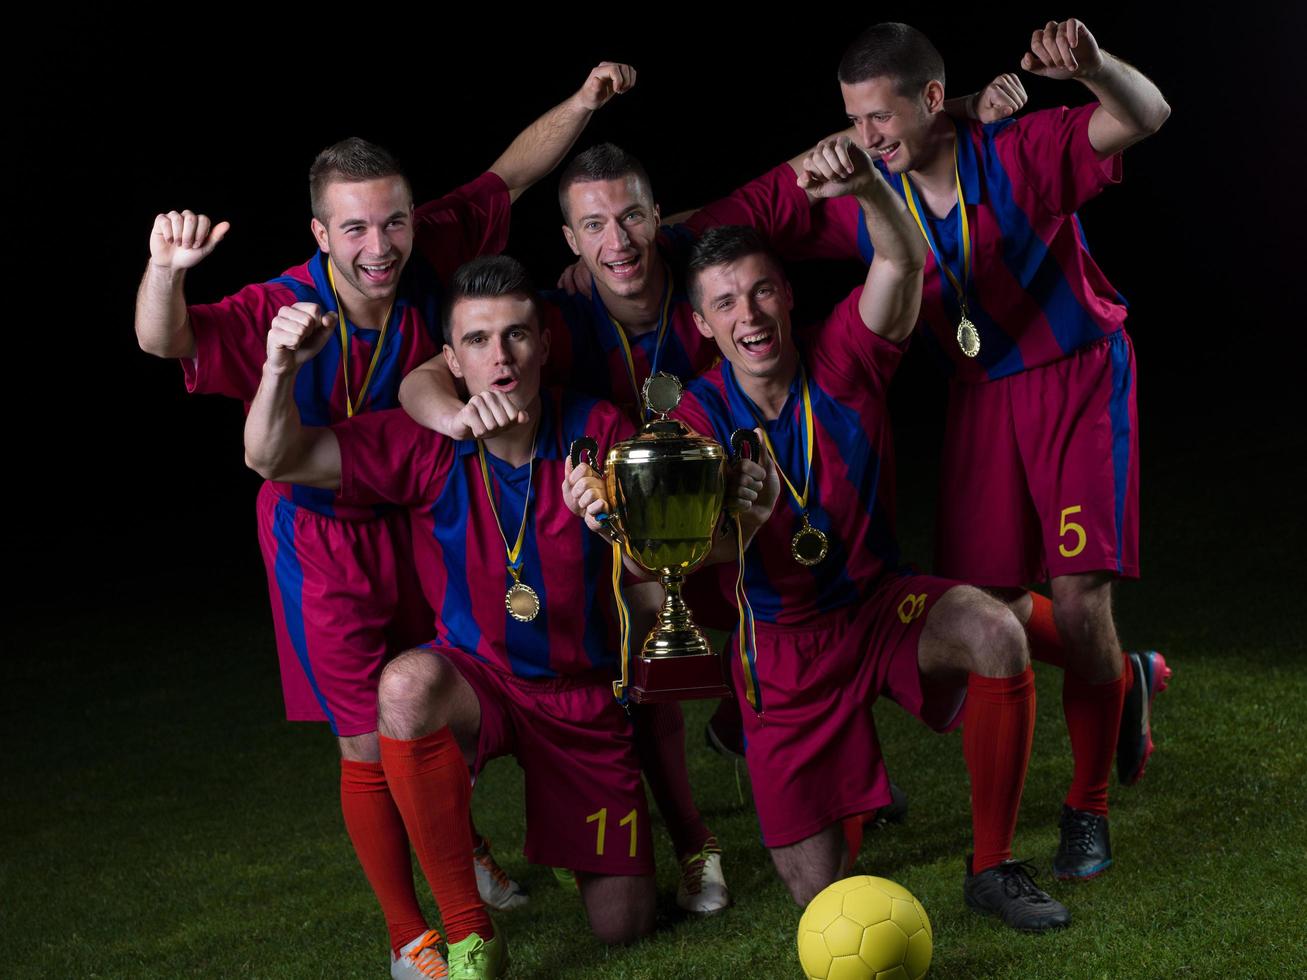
column 231, row 335
column 1035, row 294
column 457, row 545
column 851, row 493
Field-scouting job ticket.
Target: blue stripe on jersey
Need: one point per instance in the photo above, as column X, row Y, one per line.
column 449, row 522
column 1119, row 409
column 596, row 554
column 290, row 584
column 1030, row 261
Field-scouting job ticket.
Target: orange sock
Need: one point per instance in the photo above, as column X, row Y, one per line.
column 377, row 830
column 428, row 779
column 996, row 736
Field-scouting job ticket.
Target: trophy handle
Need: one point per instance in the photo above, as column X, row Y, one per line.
column 579, row 447
column 740, row 437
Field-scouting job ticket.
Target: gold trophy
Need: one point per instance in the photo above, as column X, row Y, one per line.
column 667, row 486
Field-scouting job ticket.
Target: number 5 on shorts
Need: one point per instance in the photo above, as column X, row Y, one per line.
column 600, row 816
column 1071, row 527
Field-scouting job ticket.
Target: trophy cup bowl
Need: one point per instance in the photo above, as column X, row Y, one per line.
column 667, row 486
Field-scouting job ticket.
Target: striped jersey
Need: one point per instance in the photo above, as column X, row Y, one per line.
column 231, row 335
column 851, row 490
column 460, row 555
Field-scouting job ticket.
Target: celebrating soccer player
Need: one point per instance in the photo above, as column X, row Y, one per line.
column 339, row 574
column 836, row 620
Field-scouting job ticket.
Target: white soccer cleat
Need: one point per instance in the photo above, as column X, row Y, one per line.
column 702, row 888
column 420, row 959
column 496, row 889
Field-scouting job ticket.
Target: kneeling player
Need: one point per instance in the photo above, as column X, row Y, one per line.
column 523, row 654
column 838, row 621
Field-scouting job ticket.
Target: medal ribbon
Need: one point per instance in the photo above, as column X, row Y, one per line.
column 806, row 435
column 624, row 624
column 515, row 552
column 748, row 642
column 910, row 197
column 664, row 319
column 344, row 347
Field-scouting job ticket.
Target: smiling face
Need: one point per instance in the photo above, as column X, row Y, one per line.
column 368, row 233
column 612, row 225
column 496, row 342
column 744, row 305
column 894, row 128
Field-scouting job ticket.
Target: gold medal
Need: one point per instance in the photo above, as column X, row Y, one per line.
column 809, row 545
column 968, row 337
column 522, row 602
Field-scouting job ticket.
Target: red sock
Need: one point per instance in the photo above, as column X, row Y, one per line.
column 1046, row 643
column 428, row 779
column 996, row 736
column 660, row 743
column 853, row 835
column 1093, row 718
column 377, row 830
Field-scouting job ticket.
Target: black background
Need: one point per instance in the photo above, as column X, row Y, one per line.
column 123, row 487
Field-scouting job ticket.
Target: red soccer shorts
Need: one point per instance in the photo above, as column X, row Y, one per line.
column 585, row 802
column 345, row 599
column 813, row 754
column 1041, row 472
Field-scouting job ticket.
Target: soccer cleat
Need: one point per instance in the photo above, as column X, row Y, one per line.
column 1008, row 891
column 496, row 889
column 1085, row 848
column 724, row 732
column 474, row 959
column 420, row 959
column 1134, row 744
column 896, row 810
column 702, row 888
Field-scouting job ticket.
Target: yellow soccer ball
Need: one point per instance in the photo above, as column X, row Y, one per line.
column 863, row 928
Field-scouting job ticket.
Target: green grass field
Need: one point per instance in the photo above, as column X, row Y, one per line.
column 161, row 820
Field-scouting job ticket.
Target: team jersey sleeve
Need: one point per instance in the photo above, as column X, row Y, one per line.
column 1050, row 152
column 231, row 341
column 773, row 204
column 386, row 457
column 470, row 221
column 844, row 348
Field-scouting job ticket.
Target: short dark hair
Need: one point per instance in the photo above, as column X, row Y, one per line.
column 352, row 159
column 485, row 278
column 721, row 246
column 602, row 162
column 894, row 51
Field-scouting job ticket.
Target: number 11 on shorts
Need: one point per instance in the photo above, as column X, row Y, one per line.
column 600, row 817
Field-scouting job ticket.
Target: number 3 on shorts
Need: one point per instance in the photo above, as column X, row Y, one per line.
column 1071, row 527
column 600, row 816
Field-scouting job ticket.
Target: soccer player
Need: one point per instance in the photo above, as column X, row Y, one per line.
column 836, row 619
column 1040, row 475
column 339, row 575
column 523, row 655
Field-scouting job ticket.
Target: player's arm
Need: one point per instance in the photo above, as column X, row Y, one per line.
column 891, row 301
column 430, row 396
column 277, row 446
column 1130, row 106
column 179, row 240
column 540, row 147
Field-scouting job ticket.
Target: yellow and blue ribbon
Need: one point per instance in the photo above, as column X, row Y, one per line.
column 350, row 406
column 910, row 197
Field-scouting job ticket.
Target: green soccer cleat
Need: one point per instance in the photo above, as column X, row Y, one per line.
column 475, row 959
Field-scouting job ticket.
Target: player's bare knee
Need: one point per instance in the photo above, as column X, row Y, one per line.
column 989, row 634
column 409, row 689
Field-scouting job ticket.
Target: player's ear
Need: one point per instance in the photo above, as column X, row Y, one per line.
column 452, row 360
column 545, row 339
column 658, row 216
column 702, row 324
column 570, row 239
column 319, row 233
column 934, row 96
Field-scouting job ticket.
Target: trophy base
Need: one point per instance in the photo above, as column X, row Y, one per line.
column 688, row 678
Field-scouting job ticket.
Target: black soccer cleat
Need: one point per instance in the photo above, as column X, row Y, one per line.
column 1008, row 891
column 1085, row 849
column 1134, row 743
column 724, row 732
column 896, row 810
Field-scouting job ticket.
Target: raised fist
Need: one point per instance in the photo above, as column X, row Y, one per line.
column 297, row 334
column 1062, row 51
column 607, row 79
column 181, row 239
